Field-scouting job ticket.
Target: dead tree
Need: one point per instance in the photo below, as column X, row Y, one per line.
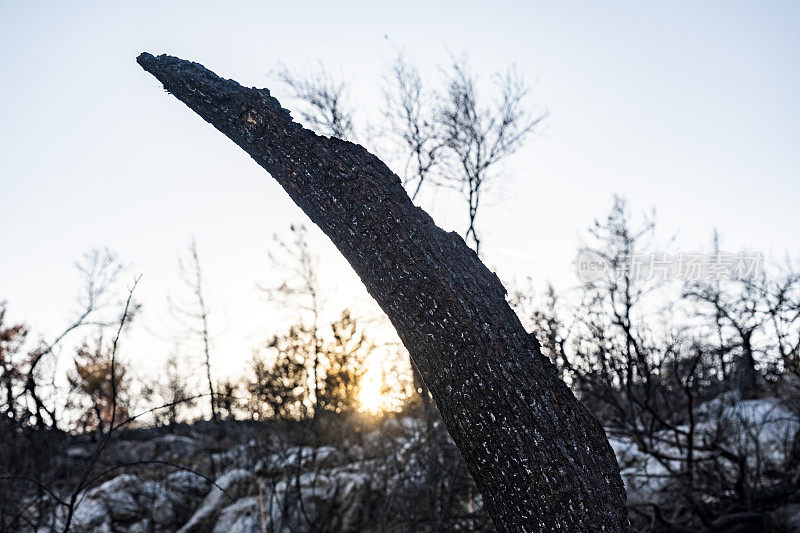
column 327, row 109
column 541, row 460
column 413, row 123
column 480, row 137
column 195, row 311
column 301, row 292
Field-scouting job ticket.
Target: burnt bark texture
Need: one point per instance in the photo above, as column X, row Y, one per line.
column 540, row 459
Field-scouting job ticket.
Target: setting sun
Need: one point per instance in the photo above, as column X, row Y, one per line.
column 372, row 397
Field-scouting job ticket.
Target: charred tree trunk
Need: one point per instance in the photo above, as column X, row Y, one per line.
column 541, row 460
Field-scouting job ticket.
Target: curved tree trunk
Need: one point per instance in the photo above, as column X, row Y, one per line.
column 541, row 460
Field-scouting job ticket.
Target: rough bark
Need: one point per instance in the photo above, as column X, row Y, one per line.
column 541, row 460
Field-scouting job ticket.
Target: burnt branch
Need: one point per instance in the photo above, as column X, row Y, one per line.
column 540, row 459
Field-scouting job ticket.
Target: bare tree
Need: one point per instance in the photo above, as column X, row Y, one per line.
column 783, row 307
column 480, row 133
column 424, row 133
column 130, row 308
column 12, row 339
column 411, row 119
column 430, row 128
column 301, row 291
column 327, row 109
column 195, row 311
column 174, row 392
column 539, row 458
column 662, row 368
column 99, row 270
column 738, row 309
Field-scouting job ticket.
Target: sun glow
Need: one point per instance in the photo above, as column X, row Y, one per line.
column 371, row 397
column 381, row 391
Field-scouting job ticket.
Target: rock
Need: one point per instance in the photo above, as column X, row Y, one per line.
column 332, row 498
column 163, row 511
column 230, row 486
column 91, row 515
column 168, row 448
column 142, row 526
column 122, row 507
column 126, row 503
column 302, row 457
column 79, row 452
column 759, row 429
column 121, row 483
column 118, row 495
column 760, row 426
column 187, row 481
column 174, row 499
column 644, row 477
column 175, row 447
column 241, row 517
column 242, row 456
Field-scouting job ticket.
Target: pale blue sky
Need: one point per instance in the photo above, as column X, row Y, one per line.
column 691, row 107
